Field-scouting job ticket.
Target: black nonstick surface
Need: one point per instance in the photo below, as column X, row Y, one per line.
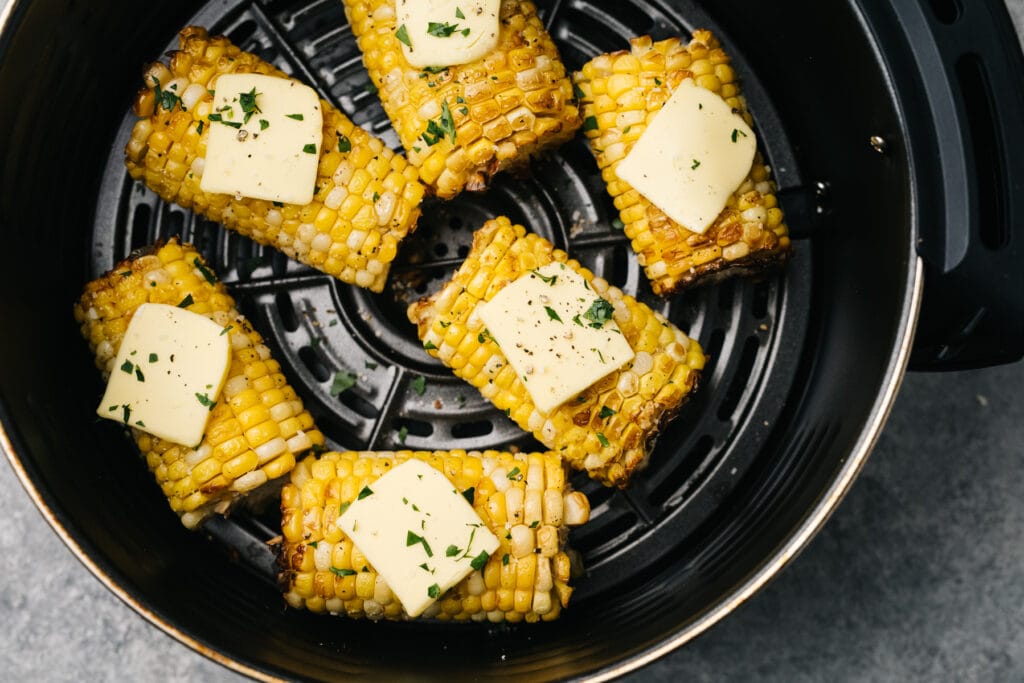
column 804, row 364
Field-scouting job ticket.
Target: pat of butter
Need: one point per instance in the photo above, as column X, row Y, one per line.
column 168, row 373
column 691, row 158
column 556, row 332
column 437, row 33
column 265, row 138
column 419, row 533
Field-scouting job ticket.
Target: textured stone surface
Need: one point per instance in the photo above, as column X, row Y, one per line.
column 919, row 576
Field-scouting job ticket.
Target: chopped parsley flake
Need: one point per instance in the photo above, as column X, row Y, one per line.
column 599, row 313
column 226, row 330
column 309, row 149
column 412, row 538
column 447, row 124
column 126, row 412
column 550, row 279
column 127, row 366
column 402, row 34
column 590, row 123
column 366, row 491
column 695, row 165
column 577, row 92
column 264, row 124
column 344, row 144
column 247, row 101
column 618, row 224
column 165, row 98
column 452, row 551
column 402, row 433
column 513, row 474
column 429, row 346
column 343, row 381
column 504, row 559
column 469, row 494
column 459, row 14
column 187, row 301
column 342, row 572
column 480, row 560
column 297, row 117
column 371, row 366
column 443, row 29
column 153, row 358
column 603, row 439
column 552, row 314
column 606, row 412
column 207, row 275
column 419, row 384
column 737, row 131
column 343, row 507
column 205, row 401
column 434, row 591
column 138, row 374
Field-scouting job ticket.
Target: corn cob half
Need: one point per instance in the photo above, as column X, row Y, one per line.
column 624, row 90
column 367, row 197
column 505, row 108
column 643, row 394
column 524, row 499
column 258, row 426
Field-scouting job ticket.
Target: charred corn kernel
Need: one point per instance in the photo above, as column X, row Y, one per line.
column 467, row 122
column 618, row 111
column 198, row 479
column 608, row 446
column 167, row 149
column 505, row 588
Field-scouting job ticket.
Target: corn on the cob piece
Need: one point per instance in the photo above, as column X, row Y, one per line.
column 258, row 426
column 367, row 197
column 622, row 91
column 507, row 107
column 643, row 394
column 524, row 499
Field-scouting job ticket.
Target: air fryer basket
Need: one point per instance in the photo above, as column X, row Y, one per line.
column 804, row 364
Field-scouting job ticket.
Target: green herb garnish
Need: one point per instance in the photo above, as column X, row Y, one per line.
column 343, row 381
column 403, row 35
column 590, row 123
column 603, row 439
column 552, row 314
column 366, row 491
column 419, row 384
column 187, row 301
column 599, row 313
column 344, row 144
column 342, row 572
column 413, row 538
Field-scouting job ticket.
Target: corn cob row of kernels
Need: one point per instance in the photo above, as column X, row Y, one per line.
column 258, row 426
column 507, row 107
column 367, row 197
column 622, row 92
column 643, row 394
column 524, row 499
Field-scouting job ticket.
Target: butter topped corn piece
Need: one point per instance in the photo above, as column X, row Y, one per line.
column 523, row 499
column 258, row 424
column 366, row 198
column 609, row 428
column 621, row 94
column 462, row 124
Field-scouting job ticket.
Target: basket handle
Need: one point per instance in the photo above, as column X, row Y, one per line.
column 971, row 236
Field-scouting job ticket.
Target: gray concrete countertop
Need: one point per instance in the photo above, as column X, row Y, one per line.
column 919, row 576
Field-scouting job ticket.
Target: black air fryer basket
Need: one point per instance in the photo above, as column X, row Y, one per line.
column 894, row 130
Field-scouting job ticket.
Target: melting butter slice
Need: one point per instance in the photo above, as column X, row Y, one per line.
column 692, row 157
column 168, row 373
column 439, row 33
column 265, row 138
column 419, row 533
column 557, row 333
